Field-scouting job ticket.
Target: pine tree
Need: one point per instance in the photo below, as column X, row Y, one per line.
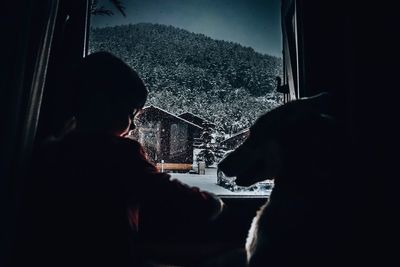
column 206, row 153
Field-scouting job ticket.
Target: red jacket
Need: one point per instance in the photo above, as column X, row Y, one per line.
column 84, row 189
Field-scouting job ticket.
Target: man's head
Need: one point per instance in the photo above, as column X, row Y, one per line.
column 108, row 93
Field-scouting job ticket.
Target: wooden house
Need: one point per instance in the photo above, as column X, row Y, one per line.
column 167, row 138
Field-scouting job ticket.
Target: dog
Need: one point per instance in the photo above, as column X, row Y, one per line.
column 297, row 145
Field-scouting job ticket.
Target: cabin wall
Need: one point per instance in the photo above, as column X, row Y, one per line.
column 160, row 124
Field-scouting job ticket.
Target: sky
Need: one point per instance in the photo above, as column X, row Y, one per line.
column 254, row 23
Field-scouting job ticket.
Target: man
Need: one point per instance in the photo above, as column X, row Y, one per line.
column 90, row 182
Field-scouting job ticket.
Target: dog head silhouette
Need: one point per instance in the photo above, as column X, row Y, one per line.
column 295, row 138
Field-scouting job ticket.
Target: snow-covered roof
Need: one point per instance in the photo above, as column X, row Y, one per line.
column 237, row 134
column 197, row 116
column 177, row 117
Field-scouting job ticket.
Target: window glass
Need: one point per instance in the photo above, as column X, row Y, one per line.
column 210, row 67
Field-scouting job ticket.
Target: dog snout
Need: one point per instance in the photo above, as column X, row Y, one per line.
column 225, row 165
column 237, row 161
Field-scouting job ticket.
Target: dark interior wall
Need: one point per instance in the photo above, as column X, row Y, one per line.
column 68, row 48
column 32, row 34
column 364, row 74
column 324, row 51
column 25, row 29
column 322, row 42
column 348, row 48
column 373, row 81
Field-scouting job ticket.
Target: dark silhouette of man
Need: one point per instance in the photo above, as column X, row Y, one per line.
column 90, row 182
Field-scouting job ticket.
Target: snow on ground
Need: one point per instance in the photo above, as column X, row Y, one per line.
column 208, row 182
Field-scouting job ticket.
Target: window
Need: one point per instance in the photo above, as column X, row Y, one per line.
column 210, row 67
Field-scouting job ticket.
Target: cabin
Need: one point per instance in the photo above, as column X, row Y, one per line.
column 235, row 140
column 167, row 138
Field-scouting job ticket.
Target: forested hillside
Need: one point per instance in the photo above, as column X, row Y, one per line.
column 224, row 82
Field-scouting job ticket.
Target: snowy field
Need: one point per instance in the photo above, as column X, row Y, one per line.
column 208, row 182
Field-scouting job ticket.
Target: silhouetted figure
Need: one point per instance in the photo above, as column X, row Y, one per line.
column 90, row 182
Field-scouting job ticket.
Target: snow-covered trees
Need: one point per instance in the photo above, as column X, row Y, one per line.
column 221, row 81
column 206, row 153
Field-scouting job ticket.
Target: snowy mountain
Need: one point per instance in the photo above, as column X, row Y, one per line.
column 222, row 81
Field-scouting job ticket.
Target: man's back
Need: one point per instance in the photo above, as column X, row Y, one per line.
column 81, row 209
column 84, row 187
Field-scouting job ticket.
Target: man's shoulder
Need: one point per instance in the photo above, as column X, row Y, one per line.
column 124, row 141
column 128, row 146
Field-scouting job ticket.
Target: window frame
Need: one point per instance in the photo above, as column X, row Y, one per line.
column 222, row 196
